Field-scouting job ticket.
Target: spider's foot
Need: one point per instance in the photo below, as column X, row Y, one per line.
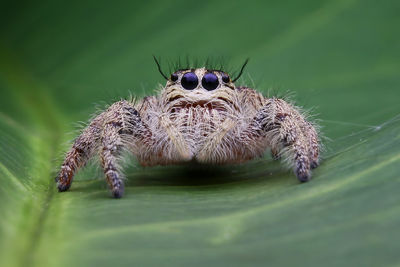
column 64, row 179
column 116, row 184
column 63, row 186
column 303, row 173
column 304, row 177
column 118, row 192
column 63, row 183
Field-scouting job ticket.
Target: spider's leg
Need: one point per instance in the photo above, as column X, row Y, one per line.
column 290, row 134
column 122, row 127
column 82, row 150
column 112, row 146
column 112, row 130
column 313, row 144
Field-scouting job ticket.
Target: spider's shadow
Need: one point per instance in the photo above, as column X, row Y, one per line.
column 195, row 176
column 201, row 175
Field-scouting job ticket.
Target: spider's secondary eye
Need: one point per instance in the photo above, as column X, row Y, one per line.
column 225, row 78
column 209, row 81
column 174, row 77
column 189, row 81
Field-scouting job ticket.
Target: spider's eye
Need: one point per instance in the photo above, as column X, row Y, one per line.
column 174, row 77
column 225, row 78
column 209, row 81
column 189, row 81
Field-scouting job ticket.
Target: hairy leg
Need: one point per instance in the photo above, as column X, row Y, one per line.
column 290, row 136
column 314, row 144
column 120, row 130
column 112, row 130
column 82, row 150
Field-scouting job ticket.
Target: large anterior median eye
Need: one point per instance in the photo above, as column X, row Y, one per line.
column 209, row 81
column 189, row 81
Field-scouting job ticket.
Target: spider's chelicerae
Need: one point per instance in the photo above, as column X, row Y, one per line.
column 199, row 116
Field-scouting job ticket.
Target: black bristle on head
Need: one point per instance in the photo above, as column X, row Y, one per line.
column 217, row 64
column 187, row 63
column 210, row 63
column 241, row 70
column 159, row 68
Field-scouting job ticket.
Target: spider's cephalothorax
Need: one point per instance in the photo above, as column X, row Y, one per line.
column 199, row 116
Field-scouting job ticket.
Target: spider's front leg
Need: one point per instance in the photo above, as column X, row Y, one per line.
column 81, row 151
column 111, row 131
column 290, row 136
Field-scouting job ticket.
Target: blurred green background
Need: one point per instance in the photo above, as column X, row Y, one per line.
column 60, row 60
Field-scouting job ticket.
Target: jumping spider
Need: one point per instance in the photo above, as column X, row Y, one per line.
column 199, row 116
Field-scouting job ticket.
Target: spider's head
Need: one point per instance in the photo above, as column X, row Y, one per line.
column 204, row 87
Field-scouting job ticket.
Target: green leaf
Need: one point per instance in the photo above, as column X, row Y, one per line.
column 59, row 60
